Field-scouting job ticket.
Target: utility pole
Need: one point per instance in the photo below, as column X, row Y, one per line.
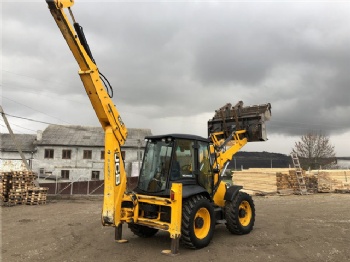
column 14, row 139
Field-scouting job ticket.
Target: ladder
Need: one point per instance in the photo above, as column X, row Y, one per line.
column 299, row 174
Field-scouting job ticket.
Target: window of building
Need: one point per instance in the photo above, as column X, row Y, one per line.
column 65, row 174
column 66, row 154
column 139, row 155
column 123, row 155
column 95, row 175
column 48, row 153
column 87, row 154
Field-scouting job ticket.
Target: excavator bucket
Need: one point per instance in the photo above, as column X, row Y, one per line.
column 229, row 119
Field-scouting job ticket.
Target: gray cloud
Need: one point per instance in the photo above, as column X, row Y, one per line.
column 181, row 61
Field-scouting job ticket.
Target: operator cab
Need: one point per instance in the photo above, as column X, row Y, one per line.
column 176, row 158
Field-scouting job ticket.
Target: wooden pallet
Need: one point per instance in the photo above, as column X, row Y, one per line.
column 36, row 195
column 16, row 186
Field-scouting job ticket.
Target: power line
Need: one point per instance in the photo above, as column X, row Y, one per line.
column 77, row 127
column 18, row 146
column 29, row 119
column 34, row 109
column 15, row 129
column 23, row 127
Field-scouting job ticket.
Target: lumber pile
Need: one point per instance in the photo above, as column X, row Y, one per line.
column 311, row 182
column 256, row 181
column 18, row 188
column 262, row 181
column 332, row 181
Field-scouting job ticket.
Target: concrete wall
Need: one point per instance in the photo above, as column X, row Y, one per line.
column 12, row 161
column 80, row 169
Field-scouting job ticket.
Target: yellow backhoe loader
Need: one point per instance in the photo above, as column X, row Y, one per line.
column 180, row 188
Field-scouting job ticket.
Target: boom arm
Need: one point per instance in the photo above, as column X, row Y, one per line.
column 115, row 130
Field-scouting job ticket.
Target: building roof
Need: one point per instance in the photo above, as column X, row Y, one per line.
column 69, row 135
column 25, row 141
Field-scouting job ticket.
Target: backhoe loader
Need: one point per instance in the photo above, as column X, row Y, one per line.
column 180, row 188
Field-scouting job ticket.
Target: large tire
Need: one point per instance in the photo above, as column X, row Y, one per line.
column 142, row 231
column 240, row 214
column 198, row 222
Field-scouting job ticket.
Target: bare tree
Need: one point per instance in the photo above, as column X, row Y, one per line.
column 314, row 151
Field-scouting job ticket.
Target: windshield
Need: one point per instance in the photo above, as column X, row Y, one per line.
column 155, row 167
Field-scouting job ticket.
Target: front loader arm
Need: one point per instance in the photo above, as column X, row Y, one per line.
column 225, row 151
column 107, row 113
column 230, row 129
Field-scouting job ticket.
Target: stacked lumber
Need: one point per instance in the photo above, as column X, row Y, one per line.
column 16, row 186
column 270, row 180
column 256, row 181
column 284, row 181
column 287, row 180
column 332, row 180
column 311, row 182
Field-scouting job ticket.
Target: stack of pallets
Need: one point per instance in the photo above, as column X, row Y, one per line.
column 18, row 188
column 36, row 196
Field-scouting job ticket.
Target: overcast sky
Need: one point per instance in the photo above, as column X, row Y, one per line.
column 173, row 63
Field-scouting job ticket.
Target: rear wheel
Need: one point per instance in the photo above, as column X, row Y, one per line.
column 142, row 231
column 240, row 214
column 198, row 222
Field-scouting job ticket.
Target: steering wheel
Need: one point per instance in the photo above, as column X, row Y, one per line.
column 186, row 168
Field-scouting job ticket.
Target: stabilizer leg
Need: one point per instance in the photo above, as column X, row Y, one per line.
column 118, row 234
column 174, row 249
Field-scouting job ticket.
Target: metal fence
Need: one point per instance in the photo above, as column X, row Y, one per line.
column 90, row 187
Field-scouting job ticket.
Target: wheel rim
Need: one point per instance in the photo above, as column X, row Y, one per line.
column 202, row 223
column 245, row 213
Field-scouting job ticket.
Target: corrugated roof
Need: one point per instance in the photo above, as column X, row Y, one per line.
column 25, row 141
column 87, row 136
column 136, row 137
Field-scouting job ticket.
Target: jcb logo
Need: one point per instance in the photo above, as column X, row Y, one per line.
column 117, row 169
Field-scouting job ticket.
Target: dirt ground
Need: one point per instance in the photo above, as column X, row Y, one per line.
column 287, row 228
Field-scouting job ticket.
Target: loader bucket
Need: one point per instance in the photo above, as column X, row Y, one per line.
column 230, row 118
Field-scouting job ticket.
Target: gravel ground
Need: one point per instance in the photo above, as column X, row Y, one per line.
column 287, row 228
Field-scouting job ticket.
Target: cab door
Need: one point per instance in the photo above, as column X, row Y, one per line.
column 183, row 161
column 205, row 172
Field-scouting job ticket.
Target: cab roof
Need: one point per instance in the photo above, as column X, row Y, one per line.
column 178, row 136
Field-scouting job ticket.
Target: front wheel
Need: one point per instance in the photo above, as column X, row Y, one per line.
column 198, row 222
column 240, row 214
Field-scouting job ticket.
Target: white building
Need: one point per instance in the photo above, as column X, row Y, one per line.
column 74, row 153
column 10, row 159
